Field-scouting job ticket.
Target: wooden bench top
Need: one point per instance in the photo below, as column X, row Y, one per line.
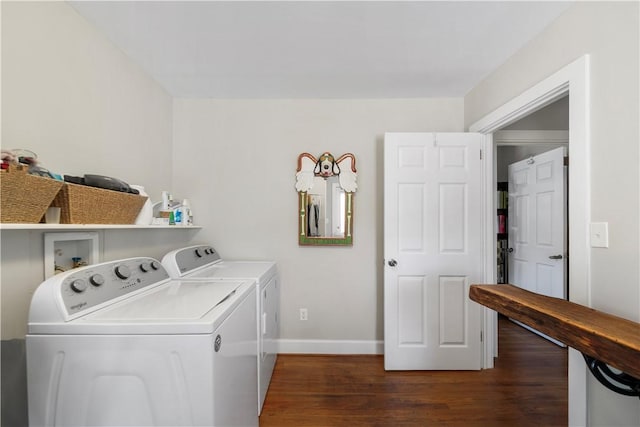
column 610, row 339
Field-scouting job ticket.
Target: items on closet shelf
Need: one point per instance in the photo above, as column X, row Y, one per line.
column 170, row 212
column 502, row 202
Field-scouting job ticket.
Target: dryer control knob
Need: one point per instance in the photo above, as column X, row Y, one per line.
column 145, row 266
column 96, row 280
column 155, row 265
column 199, row 253
column 78, row 285
column 122, row 271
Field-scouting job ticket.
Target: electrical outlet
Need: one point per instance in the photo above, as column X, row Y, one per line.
column 304, row 314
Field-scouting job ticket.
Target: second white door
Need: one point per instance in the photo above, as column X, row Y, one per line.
column 537, row 232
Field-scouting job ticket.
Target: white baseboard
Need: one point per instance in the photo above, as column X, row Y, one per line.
column 330, row 347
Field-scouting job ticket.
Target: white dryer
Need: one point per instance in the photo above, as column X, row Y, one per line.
column 122, row 344
column 202, row 262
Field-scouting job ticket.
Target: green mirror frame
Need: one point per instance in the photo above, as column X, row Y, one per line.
column 338, row 177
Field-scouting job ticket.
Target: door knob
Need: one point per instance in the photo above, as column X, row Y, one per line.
column 392, row 263
column 555, row 257
column 510, row 250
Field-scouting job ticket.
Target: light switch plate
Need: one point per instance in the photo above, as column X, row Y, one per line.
column 599, row 234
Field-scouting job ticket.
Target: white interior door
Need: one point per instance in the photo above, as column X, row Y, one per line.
column 537, row 229
column 432, row 250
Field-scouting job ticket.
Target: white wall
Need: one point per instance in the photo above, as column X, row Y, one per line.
column 609, row 33
column 237, row 161
column 77, row 101
column 554, row 116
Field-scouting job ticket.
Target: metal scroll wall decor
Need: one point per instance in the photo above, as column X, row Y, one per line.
column 325, row 186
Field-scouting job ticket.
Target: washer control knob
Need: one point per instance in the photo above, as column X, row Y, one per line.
column 199, row 252
column 155, row 265
column 122, row 271
column 96, row 280
column 78, row 286
column 145, row 266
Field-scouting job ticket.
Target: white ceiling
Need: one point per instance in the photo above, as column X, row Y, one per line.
column 319, row 49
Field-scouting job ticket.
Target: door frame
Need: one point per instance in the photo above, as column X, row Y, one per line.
column 572, row 80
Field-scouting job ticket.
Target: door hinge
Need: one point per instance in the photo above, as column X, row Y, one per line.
column 481, row 337
column 480, row 154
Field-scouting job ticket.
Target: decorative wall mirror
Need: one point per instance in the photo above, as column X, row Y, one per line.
column 325, row 188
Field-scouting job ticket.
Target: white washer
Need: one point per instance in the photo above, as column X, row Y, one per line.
column 122, row 344
column 203, row 262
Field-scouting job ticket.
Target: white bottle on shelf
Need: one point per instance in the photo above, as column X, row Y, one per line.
column 187, row 215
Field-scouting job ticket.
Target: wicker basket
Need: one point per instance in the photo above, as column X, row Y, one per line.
column 25, row 198
column 89, row 205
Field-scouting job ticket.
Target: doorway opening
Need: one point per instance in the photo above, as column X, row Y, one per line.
column 532, row 157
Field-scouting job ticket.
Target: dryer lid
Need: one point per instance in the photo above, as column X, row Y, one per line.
column 260, row 270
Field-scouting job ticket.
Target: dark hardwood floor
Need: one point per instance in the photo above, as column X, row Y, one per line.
column 527, row 387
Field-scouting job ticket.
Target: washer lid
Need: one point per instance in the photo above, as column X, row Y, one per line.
column 175, row 307
column 177, row 301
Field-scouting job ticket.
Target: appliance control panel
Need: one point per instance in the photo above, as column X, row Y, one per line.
column 90, row 286
column 191, row 258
